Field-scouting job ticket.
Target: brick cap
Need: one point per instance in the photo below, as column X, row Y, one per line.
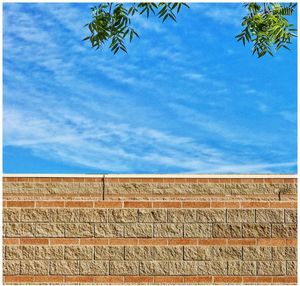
column 242, row 176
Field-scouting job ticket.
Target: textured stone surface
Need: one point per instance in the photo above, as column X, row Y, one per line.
column 19, row 252
column 49, row 252
column 79, row 230
column 34, row 267
column 226, row 253
column 236, row 215
column 168, row 253
column 109, row 252
column 11, row 215
column 197, row 230
column 284, row 230
column 155, row 215
column 63, row 236
column 64, row 267
column 266, row 215
column 183, row 268
column 154, row 268
column 92, row 215
column 241, row 268
column 123, row 215
column 207, row 215
column 19, row 230
column 212, row 267
column 291, row 267
column 94, row 268
column 109, row 230
column 64, row 215
column 124, row 268
column 179, row 216
column 284, row 253
column 138, row 230
column 290, row 216
column 79, row 252
column 50, row 230
column 168, row 230
column 197, row 253
column 257, row 230
column 35, row 215
column 139, row 253
column 271, row 267
column 227, row 230
column 11, row 267
column 257, row 253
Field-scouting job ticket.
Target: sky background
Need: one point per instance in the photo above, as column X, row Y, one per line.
column 187, row 98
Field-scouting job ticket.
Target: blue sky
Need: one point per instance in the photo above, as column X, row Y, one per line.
column 187, row 98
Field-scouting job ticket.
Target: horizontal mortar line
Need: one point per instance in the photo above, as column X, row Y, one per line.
column 155, row 241
column 246, row 176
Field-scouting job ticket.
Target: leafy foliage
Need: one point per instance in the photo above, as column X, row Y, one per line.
column 267, row 28
column 265, row 25
column 112, row 22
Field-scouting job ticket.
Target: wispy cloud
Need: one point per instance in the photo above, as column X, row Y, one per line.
column 230, row 14
column 161, row 108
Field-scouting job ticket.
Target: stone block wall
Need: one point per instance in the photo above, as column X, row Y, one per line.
column 150, row 229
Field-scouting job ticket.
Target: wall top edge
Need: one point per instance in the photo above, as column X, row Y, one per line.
column 151, row 175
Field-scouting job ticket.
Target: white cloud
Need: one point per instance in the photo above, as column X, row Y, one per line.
column 289, row 116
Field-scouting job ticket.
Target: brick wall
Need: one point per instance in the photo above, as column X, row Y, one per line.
column 158, row 230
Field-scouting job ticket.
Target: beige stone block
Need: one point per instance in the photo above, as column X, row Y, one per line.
column 93, row 215
column 138, row 230
column 35, row 215
column 226, row 253
column 128, row 188
column 271, row 268
column 241, row 268
column 197, row 230
column 124, row 268
column 50, row 230
column 284, row 230
column 19, row 230
column 109, row 230
column 19, row 252
column 11, row 267
column 49, row 252
column 257, row 230
column 123, row 215
column 211, row 215
column 181, row 215
column 197, row 253
column 79, row 230
column 240, row 215
column 64, row 215
column 183, row 267
column 152, row 215
column 94, row 268
column 257, row 253
column 291, row 216
column 11, row 215
column 291, row 268
column 64, row 267
column 109, row 252
column 154, row 268
column 212, row 268
column 284, row 253
column 168, row 253
column 79, row 252
column 269, row 215
column 168, row 230
column 139, row 252
column 34, row 267
column 226, row 230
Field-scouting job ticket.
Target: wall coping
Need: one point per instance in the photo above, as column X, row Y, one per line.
column 152, row 175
